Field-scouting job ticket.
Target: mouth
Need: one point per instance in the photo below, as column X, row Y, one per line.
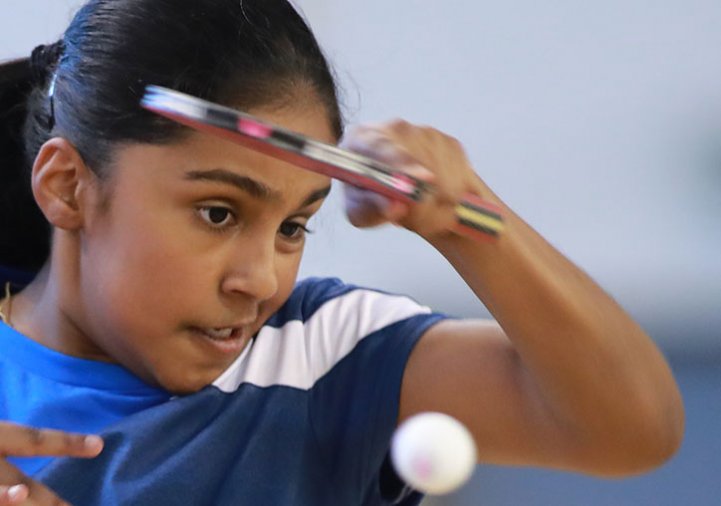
column 226, row 339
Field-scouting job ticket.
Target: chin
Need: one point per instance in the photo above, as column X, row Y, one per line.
column 185, row 384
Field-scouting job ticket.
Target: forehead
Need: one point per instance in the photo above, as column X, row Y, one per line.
column 158, row 165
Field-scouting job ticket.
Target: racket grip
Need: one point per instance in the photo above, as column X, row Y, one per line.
column 478, row 219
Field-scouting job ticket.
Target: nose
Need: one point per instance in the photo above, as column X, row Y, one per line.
column 252, row 270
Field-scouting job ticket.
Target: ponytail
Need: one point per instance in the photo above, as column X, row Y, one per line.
column 24, row 232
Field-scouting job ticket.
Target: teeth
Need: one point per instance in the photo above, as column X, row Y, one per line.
column 219, row 333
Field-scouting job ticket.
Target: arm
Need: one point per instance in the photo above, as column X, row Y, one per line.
column 564, row 378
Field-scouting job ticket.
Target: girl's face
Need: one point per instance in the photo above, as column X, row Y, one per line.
column 199, row 244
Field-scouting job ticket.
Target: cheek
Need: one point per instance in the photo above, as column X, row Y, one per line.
column 141, row 261
column 288, row 272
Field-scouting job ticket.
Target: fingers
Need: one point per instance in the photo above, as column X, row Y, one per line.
column 377, row 142
column 425, row 153
column 12, row 495
column 20, row 490
column 369, row 209
column 22, row 441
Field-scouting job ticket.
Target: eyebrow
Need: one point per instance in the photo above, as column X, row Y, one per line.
column 316, row 196
column 249, row 185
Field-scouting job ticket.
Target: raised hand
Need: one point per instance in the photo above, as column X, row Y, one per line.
column 21, row 441
column 425, row 153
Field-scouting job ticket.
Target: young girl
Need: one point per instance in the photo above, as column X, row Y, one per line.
column 152, row 294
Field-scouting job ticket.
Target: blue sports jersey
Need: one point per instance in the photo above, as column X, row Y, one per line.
column 303, row 417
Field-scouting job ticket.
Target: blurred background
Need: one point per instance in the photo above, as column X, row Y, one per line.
column 598, row 122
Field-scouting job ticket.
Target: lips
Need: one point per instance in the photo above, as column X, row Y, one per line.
column 227, row 340
column 222, row 334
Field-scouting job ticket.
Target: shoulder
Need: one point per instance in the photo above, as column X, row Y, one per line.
column 324, row 298
column 323, row 322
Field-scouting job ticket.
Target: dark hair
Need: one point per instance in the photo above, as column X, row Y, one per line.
column 87, row 87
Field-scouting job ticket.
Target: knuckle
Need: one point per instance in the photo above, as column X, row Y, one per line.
column 428, row 131
column 71, row 442
column 399, row 125
column 35, row 437
column 443, row 137
column 454, row 142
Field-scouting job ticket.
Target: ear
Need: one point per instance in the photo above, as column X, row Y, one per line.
column 60, row 181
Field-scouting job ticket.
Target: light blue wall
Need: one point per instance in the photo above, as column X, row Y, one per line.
column 598, row 122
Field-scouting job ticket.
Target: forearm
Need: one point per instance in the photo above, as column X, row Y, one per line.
column 599, row 373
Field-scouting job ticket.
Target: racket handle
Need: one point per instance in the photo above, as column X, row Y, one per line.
column 478, row 218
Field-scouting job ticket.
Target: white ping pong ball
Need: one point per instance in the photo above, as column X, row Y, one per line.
column 434, row 453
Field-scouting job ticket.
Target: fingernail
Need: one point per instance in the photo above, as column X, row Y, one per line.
column 93, row 442
column 17, row 493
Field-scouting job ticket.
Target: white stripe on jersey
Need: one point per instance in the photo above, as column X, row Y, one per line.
column 300, row 353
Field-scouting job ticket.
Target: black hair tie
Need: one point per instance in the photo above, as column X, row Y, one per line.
column 43, row 59
column 43, row 62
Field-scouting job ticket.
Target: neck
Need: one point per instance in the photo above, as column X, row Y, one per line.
column 30, row 311
column 48, row 311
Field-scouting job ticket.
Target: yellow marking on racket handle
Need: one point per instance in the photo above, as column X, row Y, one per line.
column 474, row 216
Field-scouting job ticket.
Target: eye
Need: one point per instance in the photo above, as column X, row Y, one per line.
column 217, row 216
column 293, row 230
